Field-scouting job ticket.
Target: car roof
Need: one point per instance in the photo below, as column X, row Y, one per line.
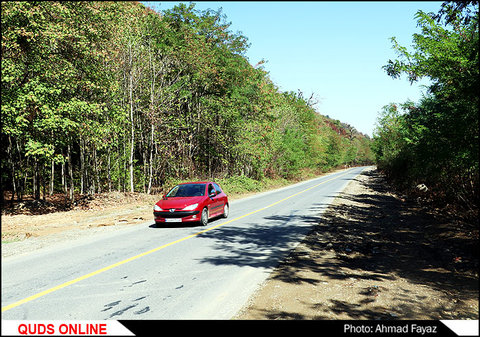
column 196, row 182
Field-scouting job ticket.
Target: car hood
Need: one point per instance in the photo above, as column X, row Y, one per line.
column 178, row 203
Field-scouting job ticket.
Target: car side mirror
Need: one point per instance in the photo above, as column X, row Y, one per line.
column 211, row 195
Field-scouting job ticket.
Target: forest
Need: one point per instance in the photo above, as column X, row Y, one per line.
column 114, row 96
column 434, row 143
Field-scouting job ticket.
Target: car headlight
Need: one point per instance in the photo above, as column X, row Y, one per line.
column 191, row 207
column 157, row 208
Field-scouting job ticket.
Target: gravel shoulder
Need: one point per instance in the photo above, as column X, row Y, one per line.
column 25, row 233
column 372, row 256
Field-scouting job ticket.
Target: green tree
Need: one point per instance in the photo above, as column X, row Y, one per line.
column 52, row 78
column 117, row 96
column 441, row 131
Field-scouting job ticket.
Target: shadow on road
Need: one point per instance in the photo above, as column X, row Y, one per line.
column 258, row 245
column 374, row 235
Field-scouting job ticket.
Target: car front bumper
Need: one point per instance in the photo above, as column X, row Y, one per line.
column 177, row 216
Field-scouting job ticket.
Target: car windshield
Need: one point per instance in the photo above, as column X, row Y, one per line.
column 187, row 190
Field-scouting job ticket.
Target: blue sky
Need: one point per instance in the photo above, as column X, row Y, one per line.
column 334, row 50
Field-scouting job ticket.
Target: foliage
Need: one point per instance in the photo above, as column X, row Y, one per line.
column 436, row 140
column 101, row 96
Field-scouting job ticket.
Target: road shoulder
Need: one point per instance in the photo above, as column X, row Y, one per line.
column 374, row 255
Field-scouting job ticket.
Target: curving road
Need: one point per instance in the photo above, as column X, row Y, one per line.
column 144, row 272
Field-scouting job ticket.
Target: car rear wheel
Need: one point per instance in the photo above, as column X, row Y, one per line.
column 226, row 210
column 204, row 218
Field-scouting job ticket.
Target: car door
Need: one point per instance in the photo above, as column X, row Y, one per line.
column 222, row 197
column 215, row 203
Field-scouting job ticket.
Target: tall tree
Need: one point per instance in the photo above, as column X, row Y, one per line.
column 439, row 142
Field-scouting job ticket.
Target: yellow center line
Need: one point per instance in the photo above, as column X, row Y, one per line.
column 96, row 272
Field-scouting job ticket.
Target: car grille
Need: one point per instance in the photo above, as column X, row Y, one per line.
column 176, row 214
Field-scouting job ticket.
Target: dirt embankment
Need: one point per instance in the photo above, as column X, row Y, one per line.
column 374, row 255
column 31, row 224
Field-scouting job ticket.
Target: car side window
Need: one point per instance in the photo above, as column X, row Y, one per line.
column 210, row 189
column 219, row 190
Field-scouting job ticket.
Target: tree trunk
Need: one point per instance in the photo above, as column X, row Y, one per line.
column 44, row 182
column 82, row 166
column 70, row 173
column 109, row 176
column 152, row 118
column 36, row 181
column 64, row 178
column 150, row 165
column 13, row 171
column 21, row 184
column 132, row 130
column 52, row 178
column 96, row 168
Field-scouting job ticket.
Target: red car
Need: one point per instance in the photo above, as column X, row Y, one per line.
column 192, row 202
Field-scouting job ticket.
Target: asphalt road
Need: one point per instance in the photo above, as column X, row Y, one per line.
column 176, row 272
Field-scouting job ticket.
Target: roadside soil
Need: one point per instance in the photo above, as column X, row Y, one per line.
column 31, row 224
column 375, row 255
